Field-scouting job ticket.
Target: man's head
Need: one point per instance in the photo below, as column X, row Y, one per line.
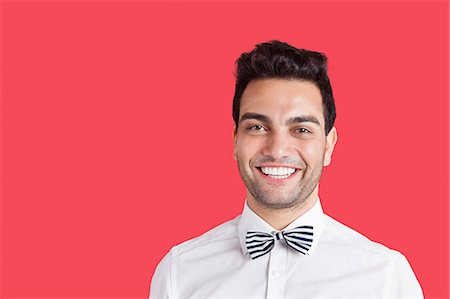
column 280, row 60
column 284, row 114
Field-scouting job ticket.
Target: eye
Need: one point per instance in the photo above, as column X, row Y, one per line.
column 303, row 130
column 256, row 128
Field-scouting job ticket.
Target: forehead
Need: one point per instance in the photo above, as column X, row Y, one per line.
column 281, row 99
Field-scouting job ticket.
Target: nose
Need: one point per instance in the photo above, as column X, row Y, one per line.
column 278, row 145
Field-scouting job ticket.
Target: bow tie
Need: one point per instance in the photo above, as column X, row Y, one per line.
column 261, row 243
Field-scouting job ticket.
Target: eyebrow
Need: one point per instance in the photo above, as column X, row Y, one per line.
column 257, row 116
column 303, row 119
column 290, row 121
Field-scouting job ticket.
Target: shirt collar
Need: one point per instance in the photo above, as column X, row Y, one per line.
column 251, row 221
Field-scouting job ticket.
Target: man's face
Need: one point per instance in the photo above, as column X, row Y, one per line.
column 280, row 144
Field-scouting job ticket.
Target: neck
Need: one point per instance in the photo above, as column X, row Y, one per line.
column 281, row 218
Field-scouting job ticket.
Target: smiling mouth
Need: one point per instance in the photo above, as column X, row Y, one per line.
column 278, row 173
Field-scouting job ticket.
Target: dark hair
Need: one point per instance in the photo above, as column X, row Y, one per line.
column 275, row 59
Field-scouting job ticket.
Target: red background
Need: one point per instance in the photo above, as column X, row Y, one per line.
column 117, row 132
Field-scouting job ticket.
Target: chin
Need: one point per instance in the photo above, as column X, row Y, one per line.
column 280, row 204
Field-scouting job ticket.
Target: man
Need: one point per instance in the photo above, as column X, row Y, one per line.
column 283, row 245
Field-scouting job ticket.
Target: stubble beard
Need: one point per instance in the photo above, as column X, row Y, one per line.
column 278, row 201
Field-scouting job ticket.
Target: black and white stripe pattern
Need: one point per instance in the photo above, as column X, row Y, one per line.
column 260, row 243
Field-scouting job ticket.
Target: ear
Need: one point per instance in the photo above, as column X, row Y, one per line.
column 331, row 140
column 234, row 138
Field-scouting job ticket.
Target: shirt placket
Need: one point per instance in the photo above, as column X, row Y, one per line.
column 276, row 271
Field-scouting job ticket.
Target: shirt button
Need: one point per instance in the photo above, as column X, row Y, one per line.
column 276, row 273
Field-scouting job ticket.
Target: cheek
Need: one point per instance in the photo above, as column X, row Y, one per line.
column 312, row 152
column 245, row 150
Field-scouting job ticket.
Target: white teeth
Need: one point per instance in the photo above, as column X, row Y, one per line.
column 279, row 177
column 278, row 172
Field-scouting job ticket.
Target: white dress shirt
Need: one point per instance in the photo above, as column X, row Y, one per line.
column 341, row 263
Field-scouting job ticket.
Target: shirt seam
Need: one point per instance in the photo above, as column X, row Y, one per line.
column 181, row 249
column 390, row 277
column 171, row 274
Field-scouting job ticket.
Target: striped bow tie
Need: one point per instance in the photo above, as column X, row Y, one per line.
column 260, row 243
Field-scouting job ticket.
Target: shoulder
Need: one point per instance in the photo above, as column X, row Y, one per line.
column 222, row 233
column 212, row 243
column 343, row 235
column 356, row 252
